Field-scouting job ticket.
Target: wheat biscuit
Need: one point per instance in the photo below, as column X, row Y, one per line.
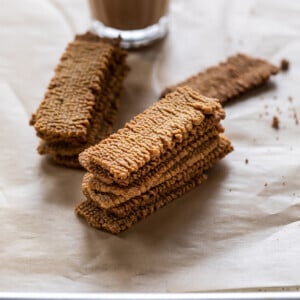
column 137, row 209
column 201, row 158
column 188, row 144
column 150, row 133
column 101, row 219
column 196, row 167
column 113, row 194
column 239, row 74
column 101, row 123
column 66, row 112
column 182, row 141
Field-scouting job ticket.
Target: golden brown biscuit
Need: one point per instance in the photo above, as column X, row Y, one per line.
column 239, row 74
column 142, row 206
column 151, row 133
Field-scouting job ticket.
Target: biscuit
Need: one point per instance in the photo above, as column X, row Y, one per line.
column 100, row 219
column 80, row 105
column 101, row 123
column 239, row 74
column 195, row 166
column 66, row 161
column 110, row 195
column 150, row 134
column 182, row 141
column 142, row 206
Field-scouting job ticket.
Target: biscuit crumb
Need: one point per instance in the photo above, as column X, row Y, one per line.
column 275, row 123
column 290, row 98
column 266, row 184
column 295, row 116
column 246, row 161
column 284, row 65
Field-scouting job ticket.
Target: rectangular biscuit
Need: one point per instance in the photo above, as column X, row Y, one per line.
column 182, row 141
column 195, row 167
column 239, row 74
column 196, row 160
column 66, row 112
column 100, row 219
column 101, row 123
column 110, row 195
column 142, row 206
column 101, row 128
column 150, row 134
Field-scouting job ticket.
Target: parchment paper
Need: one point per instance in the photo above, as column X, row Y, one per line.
column 240, row 229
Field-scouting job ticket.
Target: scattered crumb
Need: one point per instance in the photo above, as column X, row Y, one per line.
column 295, row 116
column 290, row 98
column 284, row 65
column 275, row 97
column 266, row 113
column 277, row 138
column 266, row 106
column 246, row 161
column 260, row 115
column 275, row 123
column 266, row 184
column 283, row 183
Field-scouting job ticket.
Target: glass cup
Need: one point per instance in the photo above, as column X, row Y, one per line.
column 138, row 22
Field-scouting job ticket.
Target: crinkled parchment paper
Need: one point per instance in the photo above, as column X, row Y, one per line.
column 240, row 229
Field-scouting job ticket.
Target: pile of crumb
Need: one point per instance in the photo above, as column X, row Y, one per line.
column 275, row 122
column 284, row 65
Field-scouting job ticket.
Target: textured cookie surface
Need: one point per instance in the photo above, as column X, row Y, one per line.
column 150, row 134
column 122, row 217
column 67, row 108
column 110, row 195
column 102, row 121
column 80, row 105
column 239, row 74
column 158, row 156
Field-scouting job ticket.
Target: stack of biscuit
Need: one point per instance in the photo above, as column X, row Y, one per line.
column 80, row 105
column 158, row 156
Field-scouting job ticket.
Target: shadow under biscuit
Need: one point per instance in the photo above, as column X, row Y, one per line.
column 256, row 92
column 61, row 186
column 172, row 228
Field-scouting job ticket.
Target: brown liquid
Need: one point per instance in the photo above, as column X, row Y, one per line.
column 128, row 14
